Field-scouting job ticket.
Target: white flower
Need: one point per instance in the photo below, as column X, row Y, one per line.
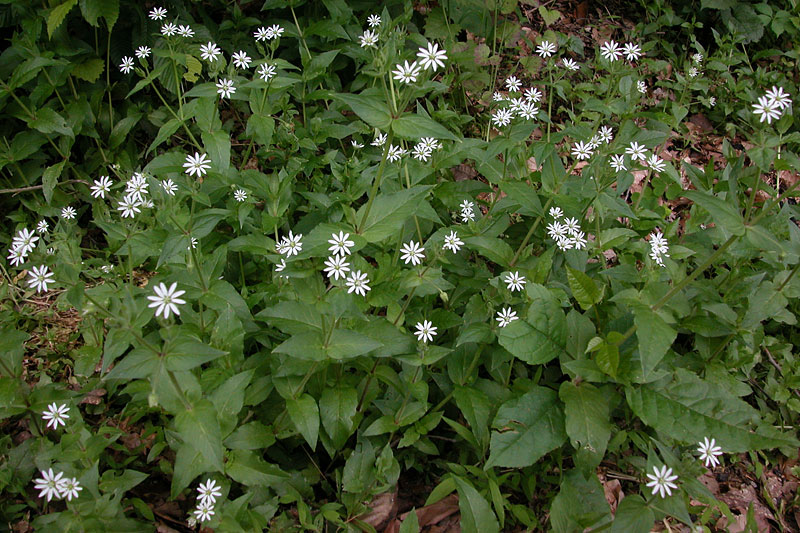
column 209, row 491
column 641, row 87
column 291, row 244
column 101, row 187
column 693, row 72
column 16, row 256
column 169, row 187
column 380, row 139
column 225, row 88
column 656, row 163
column 452, row 242
column 240, row 195
column 374, row 20
column 506, row 316
column 185, row 31
column 618, row 162
column 406, row 73
column 204, row 511
column 432, row 57
column 594, row 142
column 55, row 415
column 514, row 281
column 356, row 144
column 169, row 29
column 143, row 52
column 25, row 240
column 610, row 50
column 502, row 117
column 336, row 266
column 192, row 244
column 280, row 266
column 572, row 225
column 39, row 278
column 636, row 151
column 430, row 142
column 582, row 150
column 533, row 94
column 209, row 51
column 157, row 13
column 127, row 65
column 129, row 206
column 421, row 152
column 137, row 186
column 516, row 104
column 49, row 484
column 662, row 481
column 426, row 331
column 70, row 487
column 578, row 240
column 777, row 95
column 51, row 251
column 466, row 211
column 546, row 49
column 513, row 84
column 262, row 34
column 570, row 64
column 241, row 59
column 556, row 212
column 107, row 268
column 340, row 244
column 412, row 252
column 368, row 39
column 709, row 452
column 498, row 97
column 42, row 226
column 266, row 71
column 166, row 300
column 712, row 102
column 697, row 58
column 632, row 51
column 528, row 111
column 556, row 230
column 659, row 248
column 395, row 153
column 606, row 134
column 276, row 30
column 197, row 164
column 357, row 282
column 768, row 108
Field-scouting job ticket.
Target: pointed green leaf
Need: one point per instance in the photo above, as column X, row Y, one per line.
column 476, row 515
column 587, row 414
column 346, row 344
column 57, row 15
column 655, row 338
column 337, row 409
column 417, row 126
column 370, row 109
column 722, row 211
column 389, row 211
column 199, row 428
column 542, row 335
column 304, row 414
column 584, row 288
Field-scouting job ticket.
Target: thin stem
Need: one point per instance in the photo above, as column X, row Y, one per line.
column 376, row 184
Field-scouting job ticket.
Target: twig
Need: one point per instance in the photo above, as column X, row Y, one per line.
column 35, row 187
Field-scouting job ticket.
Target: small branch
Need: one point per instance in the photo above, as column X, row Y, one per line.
column 36, row 187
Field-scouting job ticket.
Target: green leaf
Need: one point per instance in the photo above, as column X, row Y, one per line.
column 261, row 127
column 526, row 428
column 250, row 436
column 50, row 179
column 584, row 289
column 185, row 353
column 247, row 468
column 553, row 171
column 306, row 345
column 475, row 406
column 199, row 428
column 410, row 523
column 121, row 129
column 389, row 211
column 57, row 15
column 229, row 397
column 494, row 249
column 292, row 317
column 337, row 409
column 686, row 408
column 633, row 516
column 12, row 348
column 304, row 414
column 587, row 414
column 48, row 121
column 218, row 146
column 549, row 16
column 346, row 344
column 722, row 211
column 89, row 70
column 94, row 9
column 193, row 68
column 580, row 504
column 476, row 515
column 370, row 109
column 165, row 132
column 542, row 335
column 418, row 126
column 655, row 338
column 525, row 196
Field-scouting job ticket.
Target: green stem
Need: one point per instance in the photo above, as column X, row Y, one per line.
column 376, row 183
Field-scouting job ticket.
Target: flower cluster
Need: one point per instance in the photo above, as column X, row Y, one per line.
column 662, row 480
column 467, row 213
column 431, row 57
column 567, row 234
column 612, row 51
column 22, row 245
column 659, row 248
column 209, row 492
column 771, row 106
column 57, row 486
column 521, row 106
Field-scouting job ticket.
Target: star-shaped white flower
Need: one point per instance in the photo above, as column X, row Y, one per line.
column 127, row 65
column 166, row 300
column 502, row 117
column 101, row 187
column 432, row 57
column 368, row 39
column 617, row 162
column 143, row 52
column 452, row 242
column 340, row 244
column 204, row 511
column 406, row 73
column 25, row 240
column 241, row 59
column 661, row 481
column 426, row 331
column 157, row 13
column 169, row 186
column 632, row 51
column 636, row 151
column 225, row 88
column 70, row 487
column 374, row 20
column 240, row 195
column 56, row 414
column 291, row 244
column 40, row 276
column 582, row 150
column 768, row 109
column 513, row 84
column 49, row 484
column 777, row 95
column 197, row 164
column 546, row 49
column 210, row 51
column 336, row 266
column 266, row 71
column 611, row 51
column 556, row 212
column 358, row 282
column 514, row 281
column 209, row 491
column 129, row 206
column 185, row 31
column 169, row 29
column 412, row 253
column 506, row 316
column 709, row 452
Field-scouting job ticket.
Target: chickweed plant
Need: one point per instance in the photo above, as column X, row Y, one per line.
column 314, row 255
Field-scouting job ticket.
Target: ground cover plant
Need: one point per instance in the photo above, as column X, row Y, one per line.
column 338, row 266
